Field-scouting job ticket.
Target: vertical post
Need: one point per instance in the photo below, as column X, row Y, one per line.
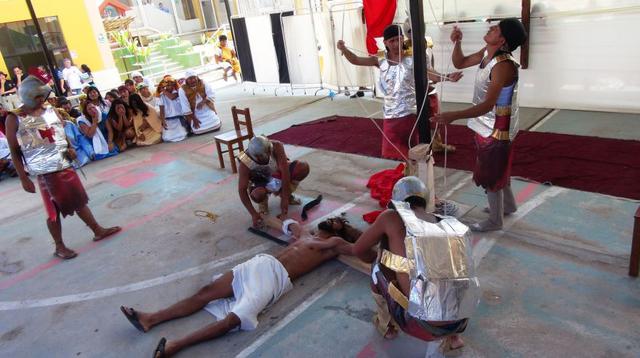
column 174, row 11
column 526, row 20
column 634, row 259
column 420, row 68
column 47, row 54
column 228, row 9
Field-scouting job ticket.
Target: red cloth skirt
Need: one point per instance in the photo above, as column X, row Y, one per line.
column 493, row 163
column 397, row 131
column 62, row 192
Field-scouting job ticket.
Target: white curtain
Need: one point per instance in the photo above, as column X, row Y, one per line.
column 302, row 50
column 263, row 53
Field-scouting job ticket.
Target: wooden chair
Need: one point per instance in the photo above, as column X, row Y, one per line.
column 235, row 137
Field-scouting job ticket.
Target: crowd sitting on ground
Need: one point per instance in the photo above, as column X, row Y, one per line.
column 137, row 113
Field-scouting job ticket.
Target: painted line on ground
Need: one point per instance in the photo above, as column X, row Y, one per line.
column 544, row 120
column 130, row 225
column 459, row 185
column 52, row 301
column 290, row 317
column 481, row 249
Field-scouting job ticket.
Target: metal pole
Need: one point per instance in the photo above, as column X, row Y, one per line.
column 228, row 10
column 526, row 21
column 49, row 58
column 420, row 68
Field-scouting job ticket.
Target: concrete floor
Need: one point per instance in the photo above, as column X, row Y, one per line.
column 553, row 282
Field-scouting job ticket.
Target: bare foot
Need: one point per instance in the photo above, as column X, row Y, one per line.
column 101, row 233
column 65, row 253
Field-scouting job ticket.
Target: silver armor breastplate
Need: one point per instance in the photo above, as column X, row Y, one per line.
column 483, row 125
column 43, row 142
column 441, row 270
column 398, row 86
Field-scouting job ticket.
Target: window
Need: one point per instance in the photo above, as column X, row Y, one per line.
column 20, row 45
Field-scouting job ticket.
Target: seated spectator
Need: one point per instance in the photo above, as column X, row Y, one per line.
column 111, row 96
column 53, row 101
column 139, row 79
column 124, row 93
column 65, row 104
column 146, row 122
column 7, row 86
column 86, row 76
column 79, row 142
column 3, row 118
column 130, row 85
column 18, row 76
column 197, row 102
column 175, row 125
column 97, row 130
column 121, row 120
column 146, row 95
column 6, row 166
column 227, row 58
column 95, row 97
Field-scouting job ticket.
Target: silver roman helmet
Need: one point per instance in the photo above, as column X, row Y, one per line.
column 33, row 86
column 408, row 187
column 259, row 149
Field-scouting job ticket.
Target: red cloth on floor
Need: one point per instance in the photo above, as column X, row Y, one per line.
column 378, row 14
column 381, row 185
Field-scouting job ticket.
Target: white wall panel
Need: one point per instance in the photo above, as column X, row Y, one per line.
column 263, row 53
column 589, row 62
column 302, row 50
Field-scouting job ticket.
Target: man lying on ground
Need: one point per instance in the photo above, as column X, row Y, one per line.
column 239, row 295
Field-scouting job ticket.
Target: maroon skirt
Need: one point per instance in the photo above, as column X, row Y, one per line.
column 62, row 192
column 493, row 163
column 397, row 131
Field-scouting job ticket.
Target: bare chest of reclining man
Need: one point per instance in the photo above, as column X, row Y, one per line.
column 308, row 252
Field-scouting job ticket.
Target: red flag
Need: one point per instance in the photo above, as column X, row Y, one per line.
column 378, row 14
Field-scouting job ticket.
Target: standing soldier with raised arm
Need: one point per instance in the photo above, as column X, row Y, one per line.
column 494, row 114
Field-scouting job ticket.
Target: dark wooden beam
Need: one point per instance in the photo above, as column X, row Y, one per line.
column 634, row 259
column 420, row 68
column 526, row 20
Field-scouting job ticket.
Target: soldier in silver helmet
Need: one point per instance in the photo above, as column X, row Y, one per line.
column 494, row 114
column 265, row 169
column 37, row 140
column 422, row 278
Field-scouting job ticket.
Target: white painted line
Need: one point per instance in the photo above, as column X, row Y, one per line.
column 374, row 114
column 485, row 244
column 544, row 120
column 459, row 185
column 52, row 301
column 290, row 317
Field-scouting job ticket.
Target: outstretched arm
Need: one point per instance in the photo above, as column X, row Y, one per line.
column 293, row 227
column 356, row 60
column 364, row 247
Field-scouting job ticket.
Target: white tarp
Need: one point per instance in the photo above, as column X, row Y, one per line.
column 263, row 52
column 347, row 25
column 584, row 62
column 302, row 50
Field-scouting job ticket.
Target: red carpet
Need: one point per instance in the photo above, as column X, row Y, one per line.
column 601, row 165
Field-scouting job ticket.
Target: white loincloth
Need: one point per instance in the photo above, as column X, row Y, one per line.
column 257, row 284
column 174, row 132
column 209, row 120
